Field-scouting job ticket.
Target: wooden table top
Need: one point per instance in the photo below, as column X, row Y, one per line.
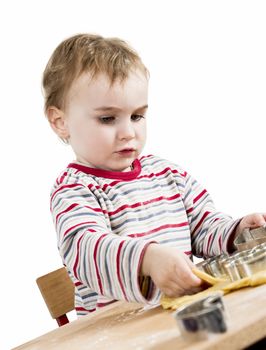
column 134, row 326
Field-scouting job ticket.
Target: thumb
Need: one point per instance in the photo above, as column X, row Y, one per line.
column 192, row 266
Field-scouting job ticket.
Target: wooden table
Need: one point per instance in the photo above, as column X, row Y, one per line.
column 134, row 326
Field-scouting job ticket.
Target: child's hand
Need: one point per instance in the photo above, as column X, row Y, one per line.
column 250, row 221
column 170, row 270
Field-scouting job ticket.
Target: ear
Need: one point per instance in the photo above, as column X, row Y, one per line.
column 58, row 122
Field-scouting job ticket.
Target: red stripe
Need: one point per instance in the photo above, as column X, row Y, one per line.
column 77, row 258
column 146, row 156
column 199, row 196
column 201, row 220
column 220, row 242
column 97, row 210
column 162, row 172
column 162, row 197
column 65, row 211
column 138, row 204
column 62, row 177
column 118, row 268
column 63, row 187
column 79, row 224
column 208, row 244
column 111, row 184
column 96, row 265
column 79, row 308
column 189, row 210
column 158, row 229
column 105, row 304
column 140, row 278
column 173, row 171
column 77, row 284
column 90, row 186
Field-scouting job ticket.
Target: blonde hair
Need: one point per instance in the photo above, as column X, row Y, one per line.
column 86, row 53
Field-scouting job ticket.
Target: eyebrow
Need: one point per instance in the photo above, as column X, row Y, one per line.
column 111, row 108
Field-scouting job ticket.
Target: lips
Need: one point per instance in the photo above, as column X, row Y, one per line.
column 126, row 151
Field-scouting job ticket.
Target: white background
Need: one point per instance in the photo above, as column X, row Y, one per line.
column 207, row 61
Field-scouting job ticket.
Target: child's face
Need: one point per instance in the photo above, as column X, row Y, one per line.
column 106, row 124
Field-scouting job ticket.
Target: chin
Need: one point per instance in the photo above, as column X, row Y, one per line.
column 126, row 166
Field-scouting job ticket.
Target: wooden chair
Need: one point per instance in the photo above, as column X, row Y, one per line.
column 58, row 293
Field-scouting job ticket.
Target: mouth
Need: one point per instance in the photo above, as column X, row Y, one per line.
column 126, row 151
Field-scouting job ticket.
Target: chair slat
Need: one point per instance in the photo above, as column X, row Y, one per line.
column 57, row 291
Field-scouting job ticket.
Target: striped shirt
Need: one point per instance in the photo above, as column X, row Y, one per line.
column 105, row 220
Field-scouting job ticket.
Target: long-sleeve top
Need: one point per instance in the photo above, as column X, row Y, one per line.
column 105, row 220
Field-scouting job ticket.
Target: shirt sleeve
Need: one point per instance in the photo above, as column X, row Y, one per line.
column 107, row 263
column 210, row 229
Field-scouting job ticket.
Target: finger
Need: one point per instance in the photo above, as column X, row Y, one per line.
column 173, row 290
column 264, row 217
column 177, row 283
column 172, row 293
column 195, row 290
column 259, row 220
column 196, row 281
column 181, row 286
column 186, row 278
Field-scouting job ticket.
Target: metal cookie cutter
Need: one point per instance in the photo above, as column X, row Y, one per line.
column 202, row 318
column 246, row 263
column 254, row 261
column 250, row 238
column 213, row 266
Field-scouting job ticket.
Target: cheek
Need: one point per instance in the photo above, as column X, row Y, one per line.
column 143, row 130
column 78, row 133
column 93, row 138
column 78, row 126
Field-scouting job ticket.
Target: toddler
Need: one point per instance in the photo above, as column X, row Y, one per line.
column 127, row 224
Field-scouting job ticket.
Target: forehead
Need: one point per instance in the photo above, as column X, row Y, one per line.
column 99, row 90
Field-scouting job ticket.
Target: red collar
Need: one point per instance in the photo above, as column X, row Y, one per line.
column 118, row 175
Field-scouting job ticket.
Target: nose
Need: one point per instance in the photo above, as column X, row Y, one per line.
column 126, row 130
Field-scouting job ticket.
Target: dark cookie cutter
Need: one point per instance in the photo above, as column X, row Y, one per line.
column 200, row 319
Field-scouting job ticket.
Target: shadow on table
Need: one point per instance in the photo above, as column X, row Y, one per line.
column 260, row 345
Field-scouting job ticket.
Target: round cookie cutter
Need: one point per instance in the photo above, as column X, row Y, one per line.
column 238, row 265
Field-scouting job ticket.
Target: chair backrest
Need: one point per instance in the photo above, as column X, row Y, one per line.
column 58, row 293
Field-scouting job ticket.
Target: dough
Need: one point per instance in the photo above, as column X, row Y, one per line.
column 217, row 285
column 207, row 278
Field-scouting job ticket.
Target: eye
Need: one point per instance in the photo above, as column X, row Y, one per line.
column 136, row 117
column 107, row 120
